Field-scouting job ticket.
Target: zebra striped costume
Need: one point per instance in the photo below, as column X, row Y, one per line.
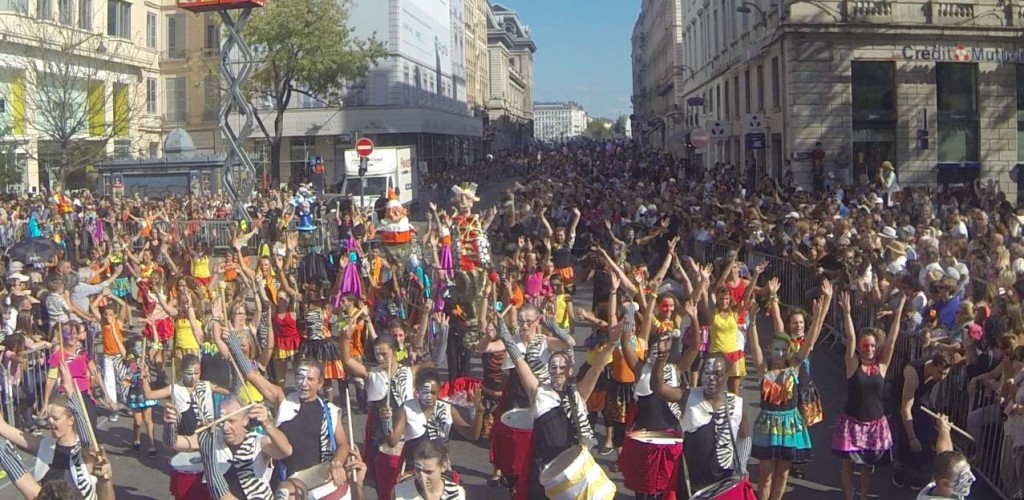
column 77, row 472
column 409, row 489
column 250, row 467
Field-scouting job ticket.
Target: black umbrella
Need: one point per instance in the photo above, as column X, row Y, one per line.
column 33, row 251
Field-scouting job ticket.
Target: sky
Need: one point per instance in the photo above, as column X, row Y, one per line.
column 583, row 51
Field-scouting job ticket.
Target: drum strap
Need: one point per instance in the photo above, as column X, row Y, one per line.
column 732, row 439
column 283, row 469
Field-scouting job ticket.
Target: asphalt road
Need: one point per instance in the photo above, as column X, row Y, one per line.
column 139, row 477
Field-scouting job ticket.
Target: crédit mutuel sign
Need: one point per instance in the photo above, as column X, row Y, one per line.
column 962, row 53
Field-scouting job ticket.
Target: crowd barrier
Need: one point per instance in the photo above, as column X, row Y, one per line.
column 22, row 393
column 997, row 451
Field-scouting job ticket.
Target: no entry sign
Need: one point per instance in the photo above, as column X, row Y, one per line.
column 364, row 147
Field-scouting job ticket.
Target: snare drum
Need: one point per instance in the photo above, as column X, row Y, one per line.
column 317, row 480
column 733, row 488
column 511, row 442
column 574, row 475
column 187, row 477
column 648, row 460
column 388, row 463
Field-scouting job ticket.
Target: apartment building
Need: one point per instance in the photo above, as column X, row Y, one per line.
column 76, row 74
column 559, row 121
column 477, row 55
column 510, row 106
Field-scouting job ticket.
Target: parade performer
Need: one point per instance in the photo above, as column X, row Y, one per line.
column 559, row 243
column 430, row 478
column 66, row 456
column 472, row 251
column 562, row 435
column 713, row 422
column 395, row 230
column 133, row 394
column 192, row 399
column 780, row 435
column 302, row 204
column 861, row 433
column 236, row 461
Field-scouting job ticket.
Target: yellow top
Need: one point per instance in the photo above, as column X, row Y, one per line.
column 201, row 267
column 243, row 395
column 183, row 336
column 724, row 332
column 562, row 311
column 593, row 355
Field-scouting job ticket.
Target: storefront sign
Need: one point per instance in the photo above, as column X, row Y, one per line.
column 961, row 53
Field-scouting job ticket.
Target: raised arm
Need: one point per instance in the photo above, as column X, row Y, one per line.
column 526, row 376
column 821, row 307
column 353, row 366
column 753, row 342
column 852, row 363
column 589, row 381
column 773, row 303
column 894, row 332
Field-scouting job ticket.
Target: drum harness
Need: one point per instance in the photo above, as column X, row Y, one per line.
column 735, row 452
column 283, row 470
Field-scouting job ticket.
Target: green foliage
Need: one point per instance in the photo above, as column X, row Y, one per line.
column 305, row 46
column 10, row 172
column 620, row 126
column 598, row 129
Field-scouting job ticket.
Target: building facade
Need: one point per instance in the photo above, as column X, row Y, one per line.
column 510, row 117
column 940, row 96
column 76, row 75
column 658, row 74
column 558, row 121
column 478, row 81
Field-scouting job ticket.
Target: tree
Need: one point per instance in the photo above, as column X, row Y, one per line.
column 620, row 126
column 10, row 171
column 598, row 129
column 69, row 80
column 306, row 47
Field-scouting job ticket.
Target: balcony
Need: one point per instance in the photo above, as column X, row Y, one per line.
column 874, row 11
column 174, row 54
column 952, row 11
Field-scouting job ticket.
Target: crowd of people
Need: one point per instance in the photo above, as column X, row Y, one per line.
column 253, row 362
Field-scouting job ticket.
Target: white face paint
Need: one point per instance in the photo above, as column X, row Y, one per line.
column 425, row 395
column 190, row 377
column 712, row 377
column 963, row 478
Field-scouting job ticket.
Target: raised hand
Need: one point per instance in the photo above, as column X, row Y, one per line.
column 844, row 302
column 761, row 266
column 774, row 285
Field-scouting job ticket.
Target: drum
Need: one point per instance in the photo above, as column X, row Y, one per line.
column 187, row 477
column 574, row 475
column 388, row 464
column 648, row 460
column 317, row 480
column 733, row 488
column 511, row 442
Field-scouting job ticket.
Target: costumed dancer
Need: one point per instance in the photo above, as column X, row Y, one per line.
column 561, row 433
column 861, row 435
column 302, row 203
column 430, row 477
column 236, row 461
column 317, row 344
column 134, row 396
column 780, row 434
column 445, row 260
column 560, row 244
column 192, row 399
column 472, row 250
column 65, row 456
column 396, row 232
column 388, row 386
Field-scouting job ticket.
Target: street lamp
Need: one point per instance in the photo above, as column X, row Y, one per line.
column 682, row 67
column 747, row 8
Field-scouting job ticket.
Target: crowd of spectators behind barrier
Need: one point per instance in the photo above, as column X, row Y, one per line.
column 956, row 253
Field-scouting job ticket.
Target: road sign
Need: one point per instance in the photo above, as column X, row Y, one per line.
column 755, row 141
column 699, row 138
column 695, row 102
column 364, row 147
column 718, row 130
column 755, row 122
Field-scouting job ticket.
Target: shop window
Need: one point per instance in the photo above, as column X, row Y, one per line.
column 959, row 135
column 873, row 89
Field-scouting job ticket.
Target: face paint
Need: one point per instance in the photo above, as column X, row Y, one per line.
column 963, row 478
column 190, row 377
column 780, row 350
column 712, row 375
column 666, row 307
column 867, row 347
column 137, row 351
column 425, row 395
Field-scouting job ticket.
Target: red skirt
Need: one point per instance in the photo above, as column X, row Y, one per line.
column 388, row 468
column 185, row 486
column 646, row 467
column 164, row 330
column 287, row 343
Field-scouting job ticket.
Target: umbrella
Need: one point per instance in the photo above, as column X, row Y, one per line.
column 33, row 251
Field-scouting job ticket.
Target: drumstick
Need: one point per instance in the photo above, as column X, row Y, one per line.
column 225, row 417
column 351, row 432
column 951, row 426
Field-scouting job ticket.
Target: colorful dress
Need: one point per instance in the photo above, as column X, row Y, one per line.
column 779, row 431
column 317, row 346
column 861, row 433
column 133, row 390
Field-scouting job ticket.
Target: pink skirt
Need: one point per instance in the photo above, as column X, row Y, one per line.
column 863, row 443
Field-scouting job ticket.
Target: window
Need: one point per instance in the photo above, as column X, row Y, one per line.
column 746, row 91
column 760, row 87
column 85, row 14
column 959, row 137
column 151, row 23
column 1020, row 117
column 736, row 95
column 176, row 36
column 176, row 99
column 776, row 85
column 211, row 97
column 67, row 12
column 211, row 33
column 873, row 89
column 119, row 18
column 726, row 100
column 44, row 9
column 122, row 149
column 718, row 101
column 151, row 96
column 14, row 5
column 121, row 112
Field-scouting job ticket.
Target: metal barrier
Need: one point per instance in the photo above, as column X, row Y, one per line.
column 22, row 394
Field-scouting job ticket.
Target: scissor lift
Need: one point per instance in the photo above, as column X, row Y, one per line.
column 240, row 174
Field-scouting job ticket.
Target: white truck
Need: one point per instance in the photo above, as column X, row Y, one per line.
column 389, row 167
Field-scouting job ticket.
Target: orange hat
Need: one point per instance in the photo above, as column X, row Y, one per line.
column 393, row 199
